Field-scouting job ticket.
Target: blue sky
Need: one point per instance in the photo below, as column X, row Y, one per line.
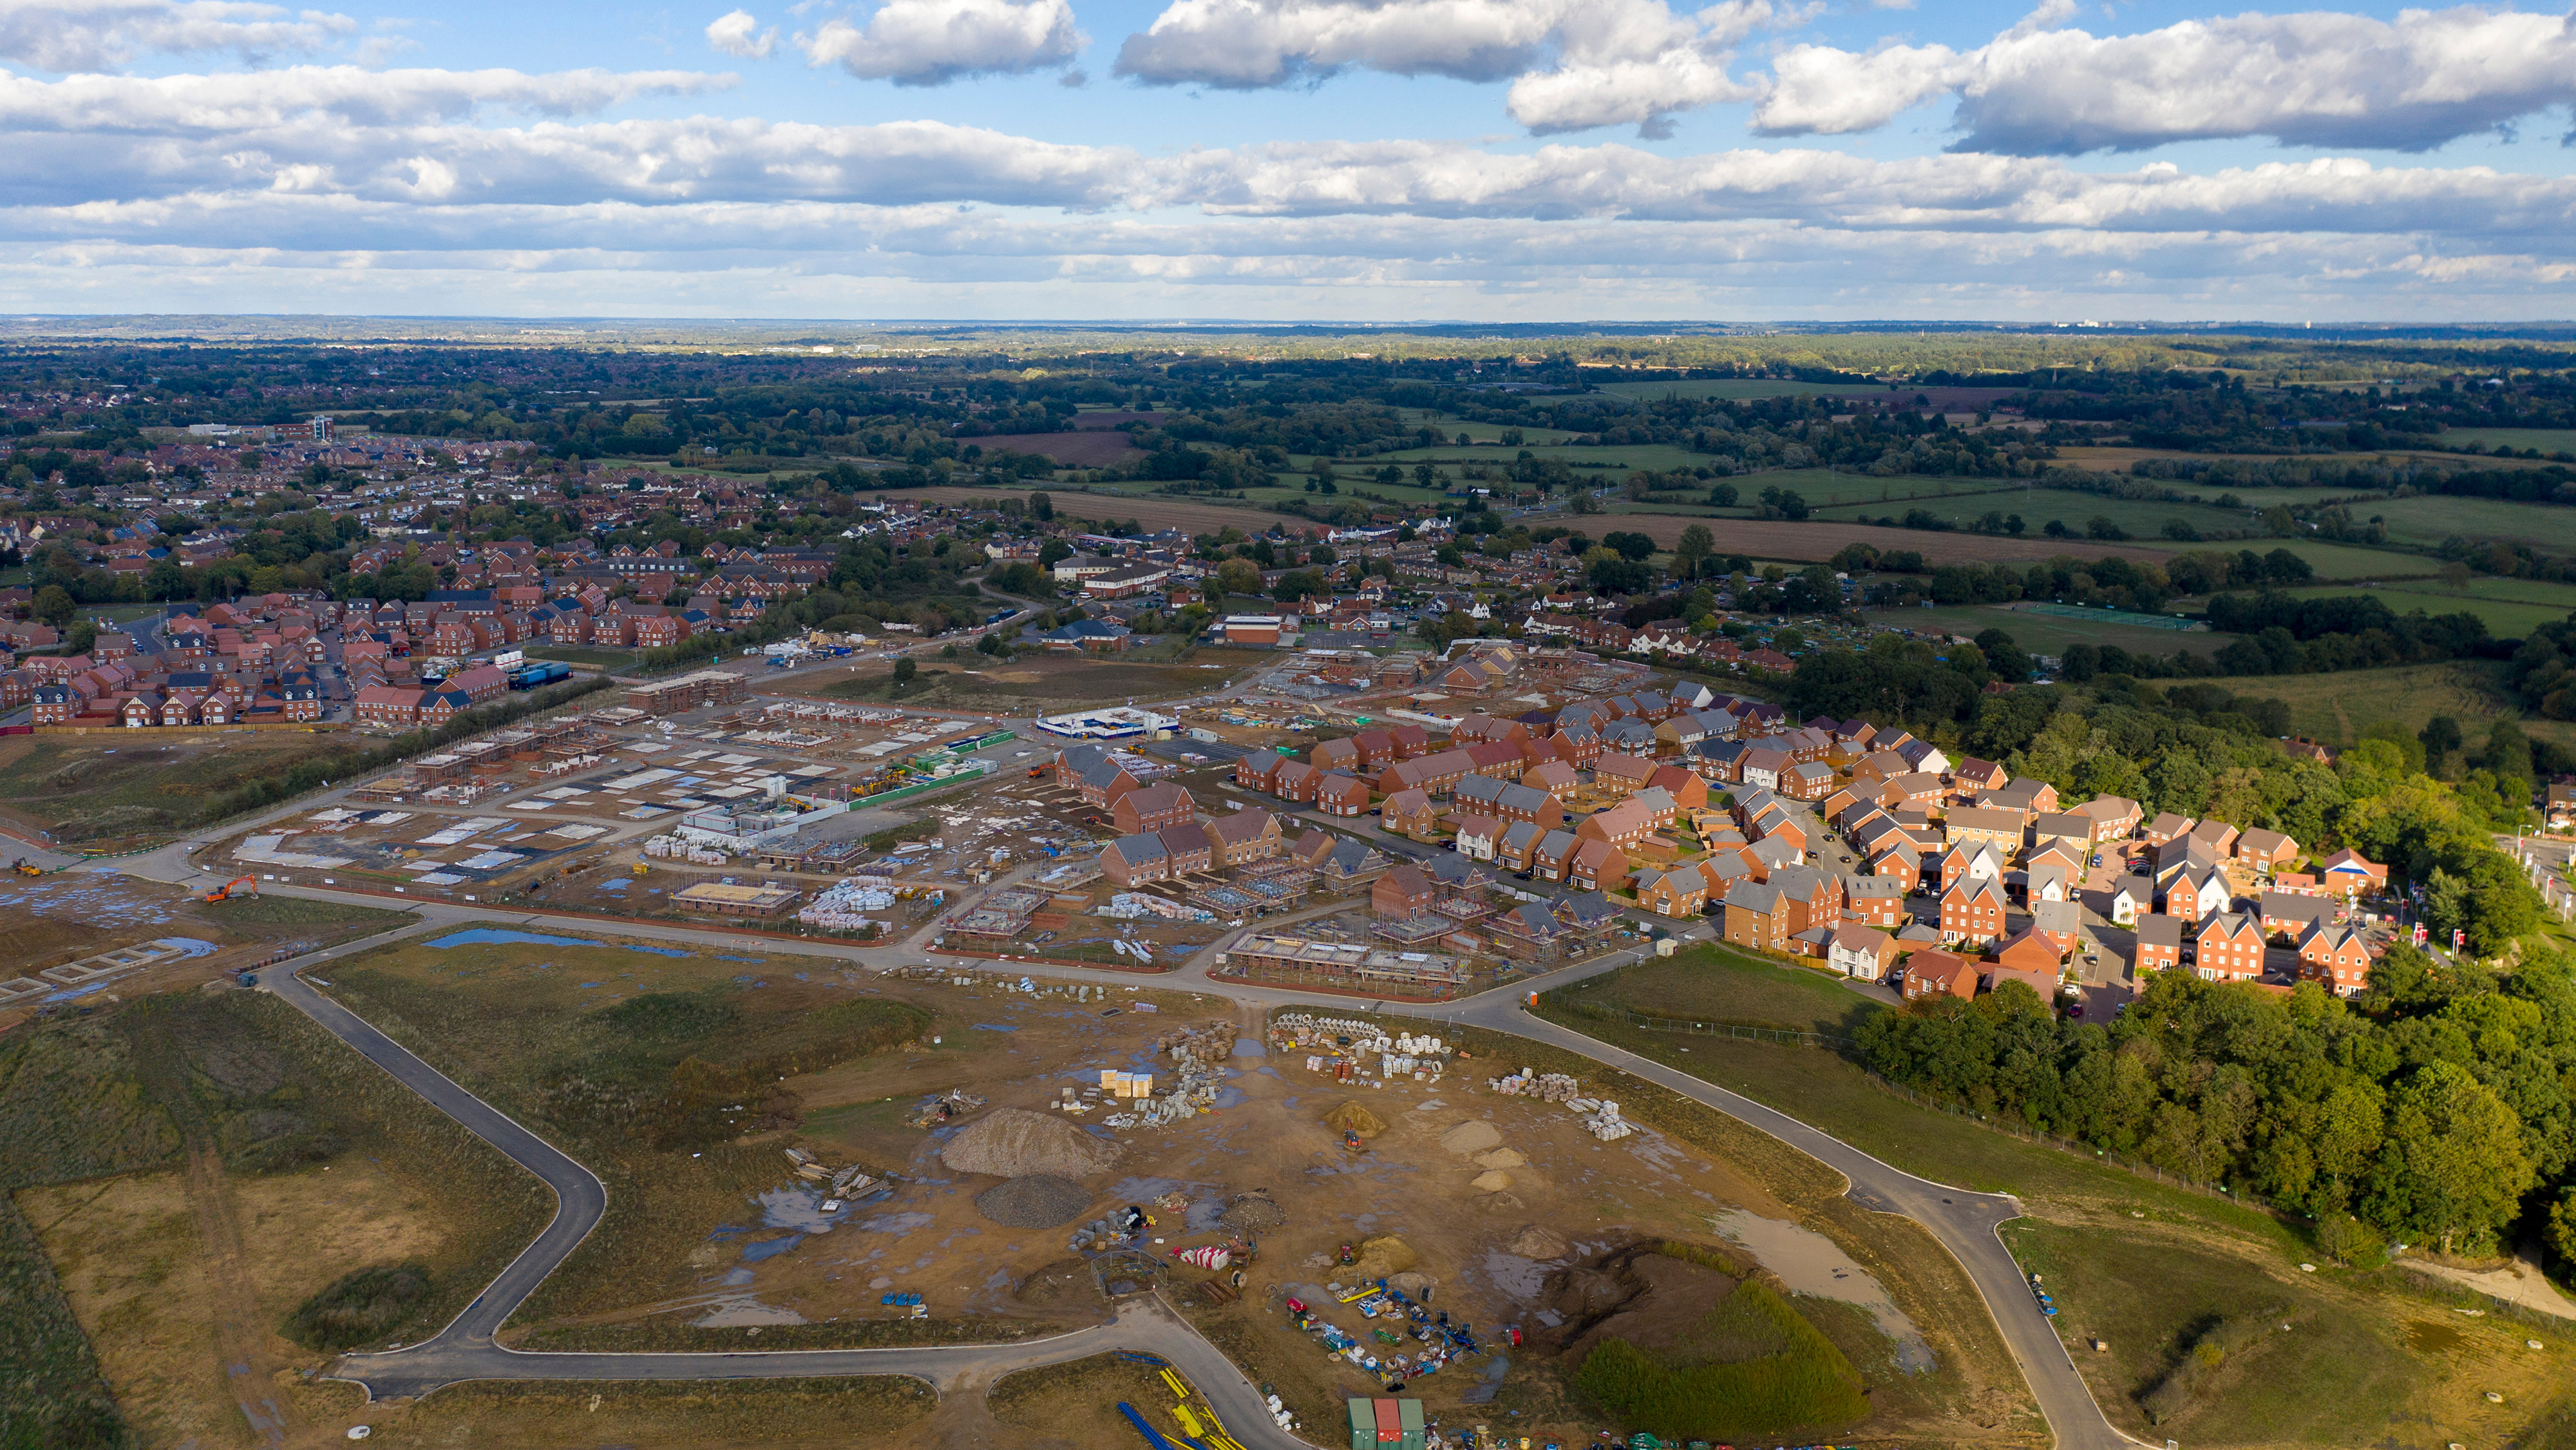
column 1308, row 160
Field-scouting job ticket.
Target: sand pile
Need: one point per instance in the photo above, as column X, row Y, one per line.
column 1471, row 1137
column 1500, row 1158
column 1538, row 1241
column 1381, row 1257
column 1014, row 1143
column 1350, row 1117
column 1491, row 1182
column 1252, row 1213
column 1040, row 1200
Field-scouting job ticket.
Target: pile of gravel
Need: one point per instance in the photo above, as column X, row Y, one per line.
column 1040, row 1200
column 1252, row 1213
column 1014, row 1142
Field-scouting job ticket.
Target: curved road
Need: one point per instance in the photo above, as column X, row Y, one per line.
column 1963, row 1222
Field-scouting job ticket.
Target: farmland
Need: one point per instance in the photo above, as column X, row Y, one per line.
column 1090, row 448
column 2430, row 519
column 1817, row 541
column 2511, row 607
column 2047, row 634
column 2336, row 707
column 2547, row 440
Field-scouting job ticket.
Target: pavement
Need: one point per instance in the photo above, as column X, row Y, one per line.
column 1965, row 1223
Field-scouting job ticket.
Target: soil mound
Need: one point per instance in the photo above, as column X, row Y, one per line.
column 1500, row 1158
column 1040, row 1200
column 1014, row 1143
column 1538, row 1241
column 1381, row 1257
column 1350, row 1117
column 1474, row 1137
column 1252, row 1213
column 1420, row 1286
column 1491, row 1182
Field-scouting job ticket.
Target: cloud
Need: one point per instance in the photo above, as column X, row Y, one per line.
column 738, row 34
column 97, row 35
column 932, row 42
column 1574, row 63
column 225, row 109
column 2310, row 79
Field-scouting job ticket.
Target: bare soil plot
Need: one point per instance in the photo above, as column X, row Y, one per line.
column 1036, row 684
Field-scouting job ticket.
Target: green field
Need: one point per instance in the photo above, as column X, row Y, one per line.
column 2336, row 708
column 1716, row 984
column 606, row 659
column 2431, row 518
column 2156, row 1272
column 2143, row 521
column 1742, row 389
column 1619, row 462
column 2547, row 440
column 2508, row 617
column 2047, row 634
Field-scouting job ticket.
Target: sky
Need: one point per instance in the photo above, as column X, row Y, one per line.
column 1318, row 161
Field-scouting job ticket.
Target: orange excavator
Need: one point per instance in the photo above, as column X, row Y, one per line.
column 225, row 891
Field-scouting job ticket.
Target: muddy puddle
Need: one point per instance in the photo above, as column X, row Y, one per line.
column 1810, row 1263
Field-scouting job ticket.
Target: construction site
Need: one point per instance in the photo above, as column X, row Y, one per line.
column 1349, row 1210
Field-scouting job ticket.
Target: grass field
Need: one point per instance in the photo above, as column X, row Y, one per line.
column 86, row 788
column 1713, row 984
column 2430, row 519
column 2336, row 708
column 2152, row 1269
column 1741, row 389
column 133, row 1140
column 2506, row 616
column 1616, row 462
column 2547, row 440
column 873, row 1413
column 606, row 659
column 2048, row 634
column 1820, row 541
column 585, row 1042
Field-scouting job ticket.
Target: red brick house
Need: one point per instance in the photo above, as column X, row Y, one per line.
column 1972, row 911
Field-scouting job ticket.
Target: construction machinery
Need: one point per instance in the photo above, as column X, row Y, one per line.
column 225, row 891
column 25, row 867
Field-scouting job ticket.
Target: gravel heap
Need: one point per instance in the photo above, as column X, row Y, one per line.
column 1014, row 1142
column 1354, row 1118
column 1252, row 1213
column 1040, row 1200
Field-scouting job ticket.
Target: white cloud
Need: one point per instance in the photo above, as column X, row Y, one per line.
column 1574, row 63
column 230, row 108
column 2312, row 79
column 932, row 42
column 738, row 34
column 95, row 35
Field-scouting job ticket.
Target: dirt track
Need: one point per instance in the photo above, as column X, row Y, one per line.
column 1822, row 541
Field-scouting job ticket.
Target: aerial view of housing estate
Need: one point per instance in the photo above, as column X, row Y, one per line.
column 1228, row 898
column 1263, row 724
